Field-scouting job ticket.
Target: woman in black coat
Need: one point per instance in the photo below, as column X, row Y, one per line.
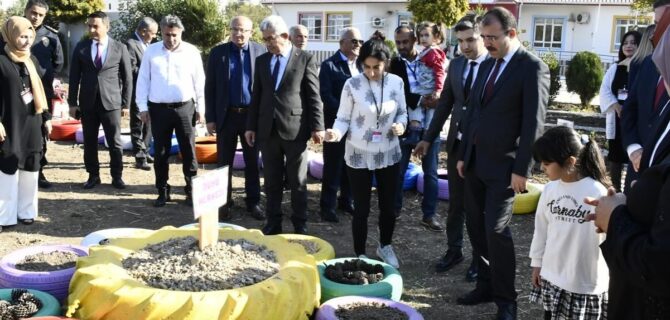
column 22, row 100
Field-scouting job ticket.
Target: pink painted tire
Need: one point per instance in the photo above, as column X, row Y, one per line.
column 442, row 184
column 315, row 165
column 328, row 308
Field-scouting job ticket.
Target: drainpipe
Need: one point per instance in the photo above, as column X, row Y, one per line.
column 595, row 30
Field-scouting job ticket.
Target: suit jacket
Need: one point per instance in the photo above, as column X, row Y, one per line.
column 638, row 115
column 452, row 99
column 135, row 52
column 295, row 108
column 218, row 77
column 505, row 127
column 663, row 150
column 398, row 67
column 332, row 76
column 114, row 81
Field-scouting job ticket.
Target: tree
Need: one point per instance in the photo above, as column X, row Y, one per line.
column 584, row 75
column 642, row 5
column 552, row 62
column 445, row 12
column 73, row 11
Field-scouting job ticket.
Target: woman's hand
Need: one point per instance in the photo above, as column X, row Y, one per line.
column 535, row 277
column 48, row 126
column 398, row 129
column 331, row 136
column 3, row 134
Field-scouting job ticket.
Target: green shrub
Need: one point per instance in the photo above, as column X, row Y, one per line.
column 584, row 75
column 551, row 60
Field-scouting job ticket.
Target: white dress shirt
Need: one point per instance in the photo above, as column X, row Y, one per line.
column 660, row 140
column 282, row 63
column 479, row 61
column 144, row 45
column 514, row 47
column 171, row 76
column 353, row 68
column 104, row 45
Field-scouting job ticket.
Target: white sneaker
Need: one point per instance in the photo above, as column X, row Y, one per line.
column 386, row 253
column 362, row 256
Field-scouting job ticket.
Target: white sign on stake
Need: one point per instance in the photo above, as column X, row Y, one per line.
column 210, row 192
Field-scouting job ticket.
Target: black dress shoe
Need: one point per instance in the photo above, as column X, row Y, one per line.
column 329, row 215
column 92, row 182
column 163, row 197
column 474, row 297
column 473, row 272
column 256, row 212
column 506, row 311
column 272, row 228
column 346, row 207
column 449, row 260
column 42, row 182
column 118, row 183
column 432, row 224
column 301, row 229
column 141, row 163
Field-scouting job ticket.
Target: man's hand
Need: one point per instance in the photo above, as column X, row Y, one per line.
column 611, row 193
column 318, row 136
column 48, row 126
column 636, row 158
column 250, row 136
column 535, row 277
column 604, row 207
column 3, row 134
column 398, row 129
column 617, row 109
column 421, row 148
column 430, row 101
column 198, row 118
column 211, row 128
column 518, row 183
column 144, row 115
column 73, row 112
column 331, row 136
column 124, row 112
column 460, row 167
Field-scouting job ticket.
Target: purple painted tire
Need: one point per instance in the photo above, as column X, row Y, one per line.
column 126, row 141
column 55, row 283
column 442, row 184
column 79, row 136
column 328, row 308
column 315, row 165
column 238, row 160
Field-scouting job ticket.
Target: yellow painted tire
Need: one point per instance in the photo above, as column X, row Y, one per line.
column 325, row 250
column 102, row 289
column 527, row 202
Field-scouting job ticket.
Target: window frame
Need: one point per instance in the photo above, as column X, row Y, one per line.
column 312, row 34
column 327, row 15
column 639, row 23
column 550, row 47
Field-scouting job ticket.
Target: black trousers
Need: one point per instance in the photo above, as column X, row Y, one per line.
column 140, row 133
column 361, row 187
column 334, row 174
column 91, row 119
column 226, row 144
column 275, row 151
column 456, row 215
column 163, row 122
column 488, row 206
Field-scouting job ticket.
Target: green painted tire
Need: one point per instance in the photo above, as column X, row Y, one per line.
column 389, row 288
column 527, row 202
column 50, row 306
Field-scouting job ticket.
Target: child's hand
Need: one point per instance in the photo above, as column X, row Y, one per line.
column 535, row 277
column 435, row 95
column 414, row 124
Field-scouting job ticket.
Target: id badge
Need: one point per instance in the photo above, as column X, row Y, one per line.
column 27, row 96
column 622, row 94
column 376, row 136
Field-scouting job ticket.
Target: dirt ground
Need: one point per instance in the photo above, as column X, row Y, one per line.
column 68, row 213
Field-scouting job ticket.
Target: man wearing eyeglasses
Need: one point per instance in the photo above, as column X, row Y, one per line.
column 228, row 90
column 334, row 72
column 505, row 115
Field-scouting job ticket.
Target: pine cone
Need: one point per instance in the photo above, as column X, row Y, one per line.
column 17, row 293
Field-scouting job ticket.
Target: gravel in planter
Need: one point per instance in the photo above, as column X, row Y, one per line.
column 369, row 311
column 48, row 261
column 23, row 305
column 309, row 246
column 178, row 264
column 354, row 271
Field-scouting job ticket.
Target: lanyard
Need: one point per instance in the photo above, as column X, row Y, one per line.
column 378, row 107
column 409, row 66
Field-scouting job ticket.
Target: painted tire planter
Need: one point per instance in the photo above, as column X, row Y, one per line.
column 238, row 160
column 174, row 146
column 79, row 136
column 315, row 165
column 50, row 306
column 222, row 225
column 101, row 287
column 94, row 238
column 442, row 184
column 325, row 250
column 411, row 176
column 64, row 130
column 126, row 142
column 205, row 149
column 389, row 288
column 527, row 202
column 327, row 309
column 55, row 283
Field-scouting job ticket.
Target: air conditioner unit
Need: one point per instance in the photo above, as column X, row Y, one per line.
column 583, row 18
column 377, row 22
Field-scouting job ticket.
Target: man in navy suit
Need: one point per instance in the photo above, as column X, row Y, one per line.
column 228, row 90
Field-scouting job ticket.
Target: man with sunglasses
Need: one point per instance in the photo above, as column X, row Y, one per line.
column 334, row 72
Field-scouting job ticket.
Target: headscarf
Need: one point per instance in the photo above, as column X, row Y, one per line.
column 661, row 56
column 11, row 31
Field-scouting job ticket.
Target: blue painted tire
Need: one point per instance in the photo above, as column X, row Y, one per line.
column 327, row 309
column 174, row 146
column 50, row 306
column 389, row 288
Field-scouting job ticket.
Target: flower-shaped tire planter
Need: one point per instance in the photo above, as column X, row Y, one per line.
column 527, row 202
column 389, row 288
column 325, row 250
column 442, row 184
column 315, row 165
column 50, row 306
column 101, row 236
column 327, row 310
column 222, row 225
column 55, row 283
column 102, row 289
column 64, row 130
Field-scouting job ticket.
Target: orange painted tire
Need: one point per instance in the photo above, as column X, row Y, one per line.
column 205, row 149
column 64, row 130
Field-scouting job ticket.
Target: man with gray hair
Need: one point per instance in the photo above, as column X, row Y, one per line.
column 285, row 109
column 170, row 90
column 140, row 133
column 334, row 73
column 298, row 35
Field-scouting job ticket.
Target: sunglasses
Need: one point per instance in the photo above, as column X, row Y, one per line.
column 357, row 42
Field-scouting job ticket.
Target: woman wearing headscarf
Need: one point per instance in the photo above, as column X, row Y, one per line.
column 22, row 101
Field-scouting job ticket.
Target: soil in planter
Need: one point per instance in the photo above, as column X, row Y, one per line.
column 309, row 246
column 369, row 311
column 354, row 271
column 48, row 261
column 23, row 304
column 178, row 264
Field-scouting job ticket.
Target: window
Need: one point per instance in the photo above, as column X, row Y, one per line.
column 405, row 19
column 335, row 23
column 548, row 33
column 625, row 24
column 313, row 22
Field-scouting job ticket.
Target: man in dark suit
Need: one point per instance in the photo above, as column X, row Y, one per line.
column 228, row 85
column 334, row 72
column 285, row 110
column 100, row 86
column 140, row 133
column 461, row 76
column 506, row 111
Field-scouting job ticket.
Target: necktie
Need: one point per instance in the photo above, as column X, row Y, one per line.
column 240, row 72
column 660, row 88
column 98, row 57
column 275, row 70
column 488, row 90
column 468, row 80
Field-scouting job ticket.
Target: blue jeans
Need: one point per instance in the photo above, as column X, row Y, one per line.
column 429, row 166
